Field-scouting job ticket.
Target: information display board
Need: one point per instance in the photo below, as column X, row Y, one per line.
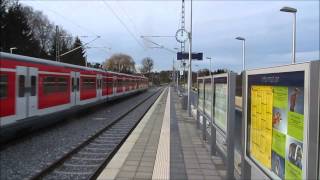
column 220, row 102
column 277, row 120
column 208, row 96
column 200, row 94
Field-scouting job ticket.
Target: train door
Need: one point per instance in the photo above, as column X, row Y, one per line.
column 115, row 84
column 32, row 83
column 27, row 98
column 21, row 105
column 124, row 84
column 99, row 86
column 75, row 88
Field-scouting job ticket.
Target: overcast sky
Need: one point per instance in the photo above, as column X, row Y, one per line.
column 120, row 24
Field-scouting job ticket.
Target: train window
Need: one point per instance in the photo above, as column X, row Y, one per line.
column 88, row 83
column 3, row 86
column 104, row 83
column 33, row 85
column 78, row 84
column 55, row 84
column 62, row 84
column 72, row 84
column 21, row 85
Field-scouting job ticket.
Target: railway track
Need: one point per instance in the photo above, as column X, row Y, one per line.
column 87, row 159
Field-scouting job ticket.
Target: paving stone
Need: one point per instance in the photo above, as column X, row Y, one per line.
column 120, row 178
column 195, row 177
column 129, row 168
column 126, row 174
column 207, row 166
column 146, row 163
column 143, row 175
column 134, row 163
column 207, row 172
column 213, row 178
column 196, row 156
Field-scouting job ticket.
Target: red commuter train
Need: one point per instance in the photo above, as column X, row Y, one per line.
column 34, row 92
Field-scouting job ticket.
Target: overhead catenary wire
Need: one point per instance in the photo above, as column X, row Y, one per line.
column 76, row 24
column 130, row 19
column 123, row 24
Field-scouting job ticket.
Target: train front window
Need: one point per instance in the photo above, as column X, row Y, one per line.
column 3, row 86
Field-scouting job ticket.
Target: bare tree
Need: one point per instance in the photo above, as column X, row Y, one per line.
column 42, row 29
column 147, row 65
column 120, row 63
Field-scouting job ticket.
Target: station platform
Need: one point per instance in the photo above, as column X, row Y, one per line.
column 166, row 144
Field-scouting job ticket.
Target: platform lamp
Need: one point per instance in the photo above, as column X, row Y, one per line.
column 11, row 49
column 243, row 51
column 294, row 12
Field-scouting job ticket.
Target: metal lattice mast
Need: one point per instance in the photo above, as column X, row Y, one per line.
column 182, row 24
column 183, row 48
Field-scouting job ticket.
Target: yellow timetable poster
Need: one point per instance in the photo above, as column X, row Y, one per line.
column 261, row 124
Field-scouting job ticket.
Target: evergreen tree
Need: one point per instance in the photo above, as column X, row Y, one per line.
column 16, row 32
column 77, row 56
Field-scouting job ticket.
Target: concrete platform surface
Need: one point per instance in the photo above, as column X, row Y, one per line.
column 165, row 145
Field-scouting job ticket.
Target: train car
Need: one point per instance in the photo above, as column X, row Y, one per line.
column 34, row 92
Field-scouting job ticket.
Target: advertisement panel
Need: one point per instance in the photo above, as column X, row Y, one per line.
column 276, row 121
column 220, row 102
column 208, row 97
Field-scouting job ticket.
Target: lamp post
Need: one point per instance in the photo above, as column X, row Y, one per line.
column 210, row 63
column 11, row 49
column 190, row 59
column 294, row 12
column 243, row 52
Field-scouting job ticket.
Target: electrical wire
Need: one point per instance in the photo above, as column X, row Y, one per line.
column 130, row 19
column 123, row 24
column 75, row 24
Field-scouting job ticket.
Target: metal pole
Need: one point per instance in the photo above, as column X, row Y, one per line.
column 294, row 40
column 243, row 55
column 173, row 72
column 190, row 65
column 210, row 67
column 57, row 43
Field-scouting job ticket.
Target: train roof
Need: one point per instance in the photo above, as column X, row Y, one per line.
column 55, row 63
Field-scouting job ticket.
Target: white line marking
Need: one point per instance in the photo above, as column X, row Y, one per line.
column 161, row 168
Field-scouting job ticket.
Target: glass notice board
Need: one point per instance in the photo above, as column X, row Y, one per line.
column 220, row 102
column 276, row 121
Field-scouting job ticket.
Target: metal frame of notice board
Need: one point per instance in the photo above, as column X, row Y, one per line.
column 202, row 112
column 207, row 113
column 228, row 132
column 284, row 82
column 319, row 123
column 200, row 106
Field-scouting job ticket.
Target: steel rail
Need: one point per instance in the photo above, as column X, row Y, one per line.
column 60, row 161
